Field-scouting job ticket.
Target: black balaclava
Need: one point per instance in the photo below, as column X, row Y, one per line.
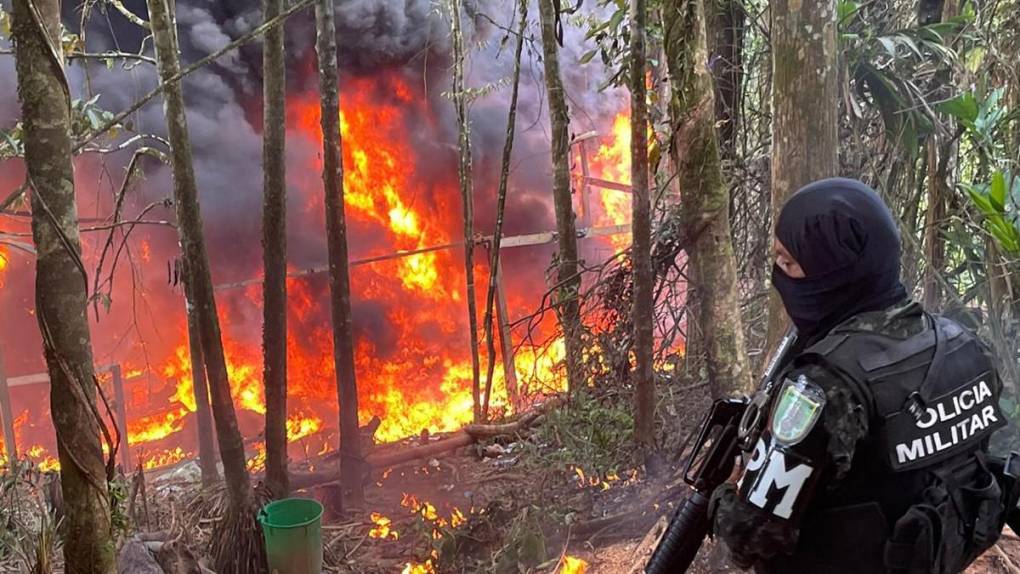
column 845, row 239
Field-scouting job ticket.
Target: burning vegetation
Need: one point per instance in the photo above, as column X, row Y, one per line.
column 265, row 224
column 412, row 382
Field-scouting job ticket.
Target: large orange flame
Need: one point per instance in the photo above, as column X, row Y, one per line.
column 413, row 367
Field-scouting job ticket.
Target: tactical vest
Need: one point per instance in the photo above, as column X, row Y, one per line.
column 919, row 495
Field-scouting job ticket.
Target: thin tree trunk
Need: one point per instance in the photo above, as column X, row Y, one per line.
column 728, row 21
column 237, row 545
column 467, row 198
column 497, row 237
column 711, row 264
column 641, row 229
column 274, row 252
column 999, row 306
column 938, row 172
column 568, row 279
column 60, row 288
column 200, row 389
column 336, row 236
column 804, row 109
column 933, row 215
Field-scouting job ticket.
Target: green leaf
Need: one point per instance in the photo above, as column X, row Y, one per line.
column 997, row 192
column 846, row 9
column 587, row 57
column 979, row 198
column 963, row 107
column 617, row 18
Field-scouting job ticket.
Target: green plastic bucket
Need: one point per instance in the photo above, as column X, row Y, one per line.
column 293, row 531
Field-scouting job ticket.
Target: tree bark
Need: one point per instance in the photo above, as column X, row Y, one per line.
column 1000, row 312
column 238, row 545
column 643, row 376
column 938, row 169
column 336, row 235
column 568, row 279
column 200, row 390
column 497, row 235
column 712, row 267
column 274, row 252
column 933, row 245
column 728, row 20
column 804, row 109
column 60, row 288
column 467, row 198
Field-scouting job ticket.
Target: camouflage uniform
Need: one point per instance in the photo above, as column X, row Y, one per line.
column 758, row 537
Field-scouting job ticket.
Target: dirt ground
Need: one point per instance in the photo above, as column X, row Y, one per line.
column 463, row 481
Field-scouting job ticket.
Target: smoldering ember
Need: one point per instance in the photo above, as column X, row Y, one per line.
column 428, row 286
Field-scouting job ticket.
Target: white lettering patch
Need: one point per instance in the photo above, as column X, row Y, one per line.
column 957, row 418
column 775, row 479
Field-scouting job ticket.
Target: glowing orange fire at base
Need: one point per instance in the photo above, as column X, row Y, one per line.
column 573, row 565
column 416, row 568
column 3, row 263
column 382, row 528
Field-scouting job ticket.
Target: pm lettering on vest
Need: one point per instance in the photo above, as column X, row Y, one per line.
column 954, row 422
column 775, row 478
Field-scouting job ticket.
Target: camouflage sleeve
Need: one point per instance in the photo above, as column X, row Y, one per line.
column 800, row 452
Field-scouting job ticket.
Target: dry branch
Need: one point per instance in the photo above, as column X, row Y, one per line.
column 464, row 437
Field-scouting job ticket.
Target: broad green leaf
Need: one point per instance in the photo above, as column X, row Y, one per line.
column 979, row 199
column 997, row 192
column 587, row 57
column 963, row 107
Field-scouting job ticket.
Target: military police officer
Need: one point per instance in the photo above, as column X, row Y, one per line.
column 875, row 458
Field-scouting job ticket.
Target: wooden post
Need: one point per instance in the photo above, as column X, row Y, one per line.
column 6, row 414
column 505, row 342
column 121, row 414
column 586, row 218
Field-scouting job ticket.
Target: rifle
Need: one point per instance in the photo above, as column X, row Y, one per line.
column 731, row 426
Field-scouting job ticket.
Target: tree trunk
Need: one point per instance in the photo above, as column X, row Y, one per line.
column 933, row 215
column 60, row 287
column 237, row 542
column 641, row 229
column 728, row 22
column 938, row 169
column 274, row 252
column 497, row 235
column 568, row 279
column 200, row 389
column 711, row 264
column 467, row 198
column 804, row 109
column 1000, row 313
column 336, row 236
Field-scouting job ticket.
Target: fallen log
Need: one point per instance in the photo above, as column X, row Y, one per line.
column 528, row 419
column 468, row 435
column 386, row 459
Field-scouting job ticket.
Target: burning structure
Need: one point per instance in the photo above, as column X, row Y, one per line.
column 412, row 352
